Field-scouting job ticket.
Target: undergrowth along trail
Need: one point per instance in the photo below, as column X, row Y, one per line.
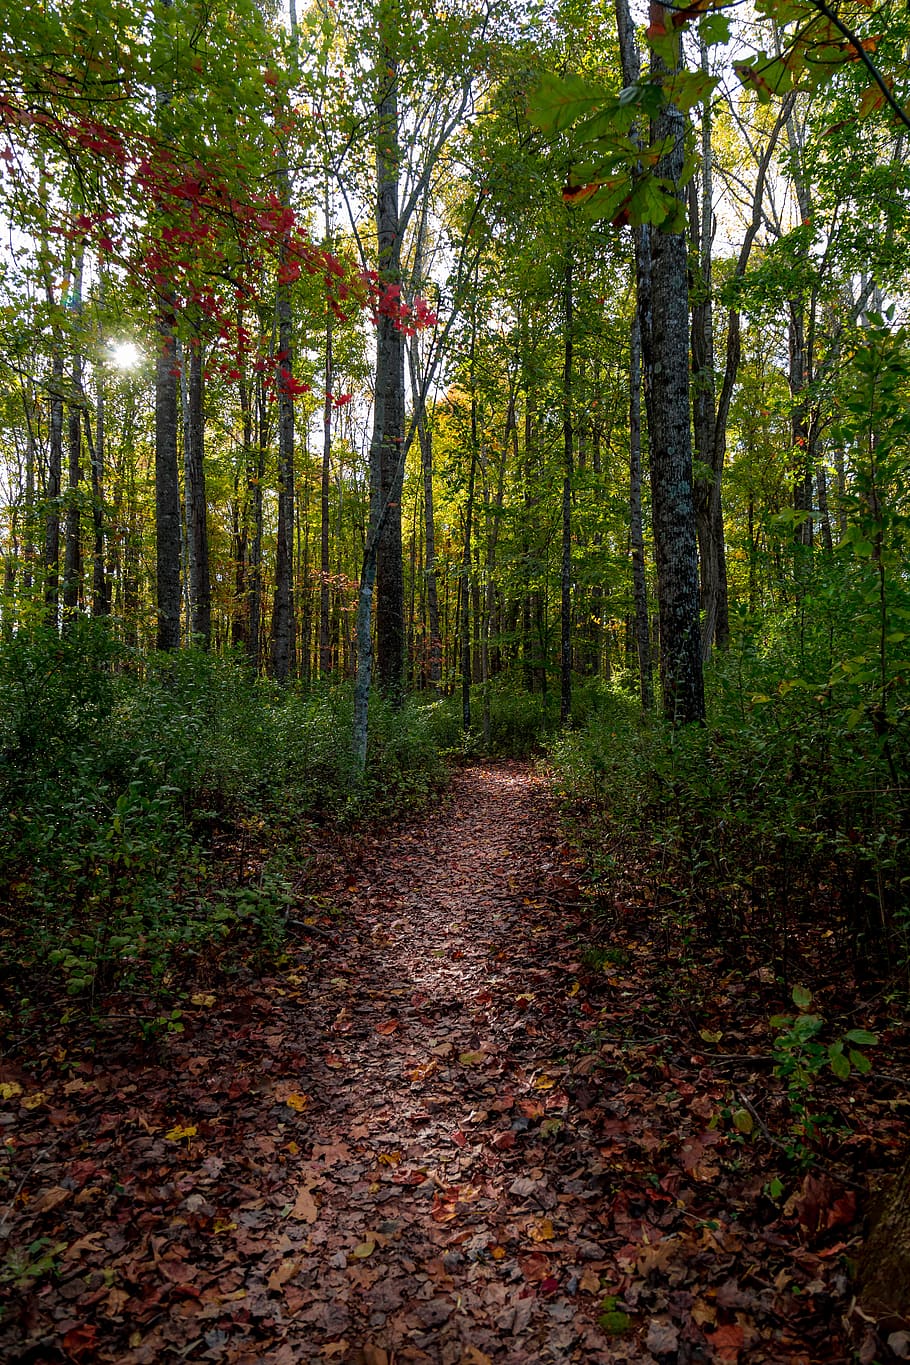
column 438, row 1135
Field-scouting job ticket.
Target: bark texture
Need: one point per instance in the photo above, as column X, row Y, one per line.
column 884, row 1268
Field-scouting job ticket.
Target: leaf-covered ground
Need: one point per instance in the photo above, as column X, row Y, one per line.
column 443, row 1133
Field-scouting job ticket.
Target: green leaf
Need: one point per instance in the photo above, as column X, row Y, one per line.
column 801, row 998
column 559, row 101
column 861, row 1036
column 839, row 1063
column 743, row 1121
column 860, row 1061
column 775, row 1188
column 714, row 28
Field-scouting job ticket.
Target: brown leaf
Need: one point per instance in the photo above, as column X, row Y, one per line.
column 49, row 1199
column 662, row 1338
column 305, row 1206
column 284, row 1271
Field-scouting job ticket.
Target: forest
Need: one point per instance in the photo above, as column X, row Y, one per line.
column 454, row 681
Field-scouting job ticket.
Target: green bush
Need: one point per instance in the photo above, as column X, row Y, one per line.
column 114, row 785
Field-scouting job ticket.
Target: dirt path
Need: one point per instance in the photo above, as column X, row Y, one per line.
column 396, row 1151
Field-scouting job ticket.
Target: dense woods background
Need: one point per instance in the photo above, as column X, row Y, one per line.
column 381, row 381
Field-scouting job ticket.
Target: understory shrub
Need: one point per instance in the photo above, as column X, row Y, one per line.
column 150, row 817
column 788, row 806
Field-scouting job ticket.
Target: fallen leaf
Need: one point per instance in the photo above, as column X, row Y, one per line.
column 297, row 1101
column 542, row 1231
column 49, row 1199
column 9, row 1090
column 472, row 1058
column 206, row 1001
column 388, row 1026
column 305, row 1206
column 179, row 1132
column 35, row 1100
column 364, row 1250
column 662, row 1338
column 287, row 1269
column 544, row 1083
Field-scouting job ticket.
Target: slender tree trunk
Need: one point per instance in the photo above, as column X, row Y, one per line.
column 101, row 588
column 197, row 535
column 53, row 485
column 466, row 556
column 708, row 452
column 255, row 565
column 167, row 488
column 425, row 438
column 636, row 536
column 72, row 556
column 283, row 627
column 389, row 386
column 325, row 636
column 565, row 651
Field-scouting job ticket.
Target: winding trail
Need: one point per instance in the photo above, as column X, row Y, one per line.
column 432, row 1137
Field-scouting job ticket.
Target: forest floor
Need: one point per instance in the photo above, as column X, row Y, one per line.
column 437, row 1134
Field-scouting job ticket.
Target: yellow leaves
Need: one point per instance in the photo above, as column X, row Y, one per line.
column 389, row 1158
column 472, row 1058
column 9, row 1090
column 498, row 1253
column 364, row 1250
column 542, row 1231
column 203, row 1000
column 708, row 1035
column 297, row 1101
column 545, row 1083
column 33, row 1101
column 224, row 1225
column 178, row 1132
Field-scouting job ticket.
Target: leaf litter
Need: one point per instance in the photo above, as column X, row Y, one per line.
column 434, row 1136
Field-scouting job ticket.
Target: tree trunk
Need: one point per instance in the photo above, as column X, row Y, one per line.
column 466, row 558
column 72, row 555
column 884, row 1266
column 636, row 534
column 53, row 485
column 283, row 629
column 666, row 353
column 389, row 389
column 197, row 536
column 101, row 588
column 425, row 438
column 167, row 488
column 565, row 640
column 325, row 637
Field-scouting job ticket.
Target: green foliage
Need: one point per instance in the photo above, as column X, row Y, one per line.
column 787, row 805
column 114, row 790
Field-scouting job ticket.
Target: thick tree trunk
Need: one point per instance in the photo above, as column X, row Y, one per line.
column 666, row 352
column 884, row 1266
